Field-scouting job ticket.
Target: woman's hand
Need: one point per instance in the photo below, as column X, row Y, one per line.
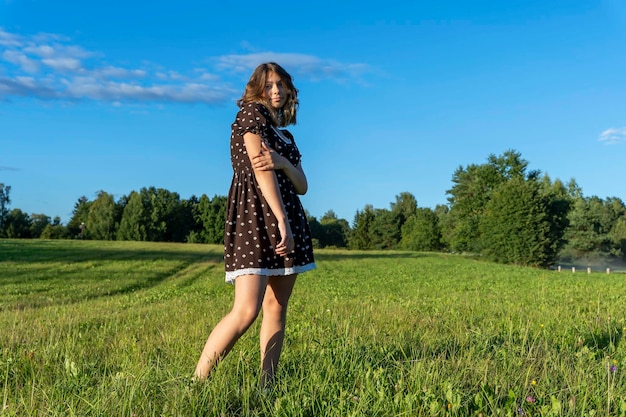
column 286, row 245
column 268, row 160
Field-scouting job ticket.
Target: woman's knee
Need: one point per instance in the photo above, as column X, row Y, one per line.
column 279, row 292
column 274, row 307
column 245, row 315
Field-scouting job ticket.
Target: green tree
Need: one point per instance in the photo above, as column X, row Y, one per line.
column 360, row 237
column 189, row 229
column 17, row 225
column 76, row 227
column 404, row 207
column 102, row 219
column 210, row 214
column 472, row 190
column 165, row 216
column 334, row 231
column 316, row 229
column 5, row 201
column 381, row 228
column 421, row 231
column 444, row 222
column 203, row 218
column 618, row 236
column 560, row 198
column 591, row 222
column 216, row 219
column 55, row 230
column 134, row 219
column 516, row 227
column 385, row 231
column 38, row 223
column 153, row 214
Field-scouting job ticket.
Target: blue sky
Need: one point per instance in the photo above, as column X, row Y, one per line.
column 395, row 96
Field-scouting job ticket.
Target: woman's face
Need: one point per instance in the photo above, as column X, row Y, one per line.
column 275, row 91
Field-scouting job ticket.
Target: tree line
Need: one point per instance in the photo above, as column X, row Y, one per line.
column 499, row 210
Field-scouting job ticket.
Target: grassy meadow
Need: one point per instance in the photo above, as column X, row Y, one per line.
column 115, row 329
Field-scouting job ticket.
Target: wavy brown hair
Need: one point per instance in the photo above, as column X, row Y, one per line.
column 255, row 90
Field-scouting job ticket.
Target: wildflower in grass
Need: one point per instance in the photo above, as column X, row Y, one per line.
column 531, row 399
column 520, row 411
column 533, row 382
column 613, row 368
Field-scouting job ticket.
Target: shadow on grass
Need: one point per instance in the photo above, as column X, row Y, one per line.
column 146, row 281
column 17, row 250
column 68, row 272
column 603, row 343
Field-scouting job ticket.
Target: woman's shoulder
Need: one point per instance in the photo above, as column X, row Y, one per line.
column 252, row 116
column 253, row 107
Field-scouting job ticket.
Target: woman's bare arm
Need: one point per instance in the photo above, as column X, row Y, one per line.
column 269, row 187
column 268, row 160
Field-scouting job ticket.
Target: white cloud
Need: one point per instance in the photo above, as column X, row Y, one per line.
column 26, row 87
column 117, row 92
column 613, row 135
column 175, row 75
column 22, row 60
column 9, row 39
column 43, row 51
column 309, row 66
column 63, row 64
column 117, row 72
column 68, row 72
column 48, row 66
column 206, row 76
column 247, row 62
column 55, row 49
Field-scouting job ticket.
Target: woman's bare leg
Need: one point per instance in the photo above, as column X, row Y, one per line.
column 279, row 290
column 249, row 293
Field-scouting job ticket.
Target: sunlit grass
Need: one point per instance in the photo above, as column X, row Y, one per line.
column 115, row 329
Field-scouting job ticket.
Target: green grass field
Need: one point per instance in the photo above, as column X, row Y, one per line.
column 115, row 329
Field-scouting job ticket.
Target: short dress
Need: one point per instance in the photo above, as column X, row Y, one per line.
column 251, row 230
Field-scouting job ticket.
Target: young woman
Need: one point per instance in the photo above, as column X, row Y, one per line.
column 267, row 241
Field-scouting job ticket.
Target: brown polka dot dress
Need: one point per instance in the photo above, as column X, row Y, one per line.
column 251, row 231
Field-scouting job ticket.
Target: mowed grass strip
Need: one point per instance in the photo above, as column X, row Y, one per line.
column 115, row 328
column 40, row 273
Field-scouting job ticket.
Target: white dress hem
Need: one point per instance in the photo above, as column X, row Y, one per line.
column 232, row 275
